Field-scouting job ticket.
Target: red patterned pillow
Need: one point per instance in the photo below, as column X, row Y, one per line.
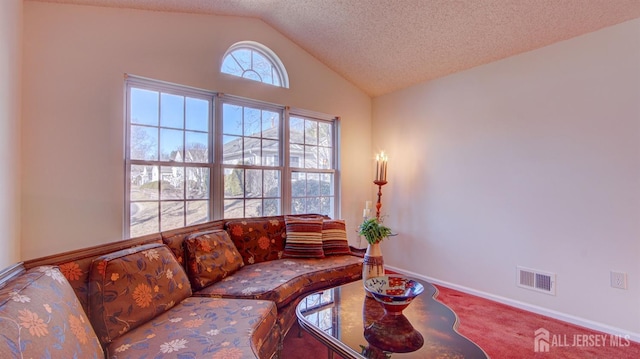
column 334, row 237
column 304, row 237
column 210, row 256
column 258, row 239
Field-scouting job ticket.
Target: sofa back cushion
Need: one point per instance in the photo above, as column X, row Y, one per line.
column 129, row 287
column 258, row 239
column 304, row 237
column 76, row 264
column 41, row 317
column 211, row 256
column 174, row 238
column 334, row 237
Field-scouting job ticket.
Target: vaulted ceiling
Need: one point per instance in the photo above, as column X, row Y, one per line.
column 385, row 45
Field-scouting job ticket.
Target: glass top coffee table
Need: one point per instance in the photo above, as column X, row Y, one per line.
column 355, row 326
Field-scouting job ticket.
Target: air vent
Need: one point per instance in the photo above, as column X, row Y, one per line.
column 536, row 280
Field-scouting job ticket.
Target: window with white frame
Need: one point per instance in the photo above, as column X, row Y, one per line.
column 251, row 152
column 254, row 61
column 193, row 156
column 311, row 155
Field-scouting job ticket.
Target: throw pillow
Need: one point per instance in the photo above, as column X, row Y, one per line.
column 334, row 237
column 211, row 256
column 258, row 239
column 127, row 288
column 304, row 237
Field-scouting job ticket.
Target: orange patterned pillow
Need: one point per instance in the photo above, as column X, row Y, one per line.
column 130, row 287
column 304, row 237
column 334, row 237
column 211, row 256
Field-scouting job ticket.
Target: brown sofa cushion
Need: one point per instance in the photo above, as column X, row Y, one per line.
column 304, row 237
column 284, row 280
column 174, row 238
column 210, row 256
column 258, row 240
column 203, row 328
column 40, row 316
column 129, row 287
column 334, row 237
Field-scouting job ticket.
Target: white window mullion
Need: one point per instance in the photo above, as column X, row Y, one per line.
column 336, row 166
column 286, row 163
column 217, row 173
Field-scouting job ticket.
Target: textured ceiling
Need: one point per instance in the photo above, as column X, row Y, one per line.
column 386, row 45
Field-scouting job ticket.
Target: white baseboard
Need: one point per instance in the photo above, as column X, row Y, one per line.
column 604, row 328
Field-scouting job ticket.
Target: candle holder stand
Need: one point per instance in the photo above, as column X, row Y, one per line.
column 379, row 183
column 373, row 264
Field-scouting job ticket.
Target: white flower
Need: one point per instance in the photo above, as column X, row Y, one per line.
column 289, row 263
column 169, row 274
column 122, row 348
column 173, row 346
column 213, row 332
column 257, row 270
column 175, row 320
column 152, row 254
column 249, row 290
column 247, row 308
column 16, row 297
column 53, row 273
column 244, row 281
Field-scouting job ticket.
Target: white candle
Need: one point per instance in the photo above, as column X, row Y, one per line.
column 384, row 173
column 384, row 177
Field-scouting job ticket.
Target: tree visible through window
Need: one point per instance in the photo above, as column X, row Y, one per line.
column 311, row 154
column 251, row 160
column 187, row 166
column 255, row 61
column 169, row 165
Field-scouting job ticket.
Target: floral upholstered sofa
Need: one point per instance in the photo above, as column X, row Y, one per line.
column 222, row 289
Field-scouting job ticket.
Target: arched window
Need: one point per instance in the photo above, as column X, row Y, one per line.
column 255, row 61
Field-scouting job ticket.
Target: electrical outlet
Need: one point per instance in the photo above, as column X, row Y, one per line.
column 619, row 280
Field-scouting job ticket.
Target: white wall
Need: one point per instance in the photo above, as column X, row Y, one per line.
column 532, row 161
column 10, row 59
column 73, row 125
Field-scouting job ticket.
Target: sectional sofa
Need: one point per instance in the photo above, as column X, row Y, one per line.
column 222, row 289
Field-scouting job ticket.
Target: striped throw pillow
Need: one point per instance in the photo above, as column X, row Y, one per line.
column 304, row 237
column 334, row 237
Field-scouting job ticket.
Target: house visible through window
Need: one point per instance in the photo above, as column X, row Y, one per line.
column 189, row 163
column 251, row 155
column 312, row 176
column 168, row 159
column 255, row 61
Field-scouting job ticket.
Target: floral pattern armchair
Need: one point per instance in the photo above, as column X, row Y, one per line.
column 40, row 316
